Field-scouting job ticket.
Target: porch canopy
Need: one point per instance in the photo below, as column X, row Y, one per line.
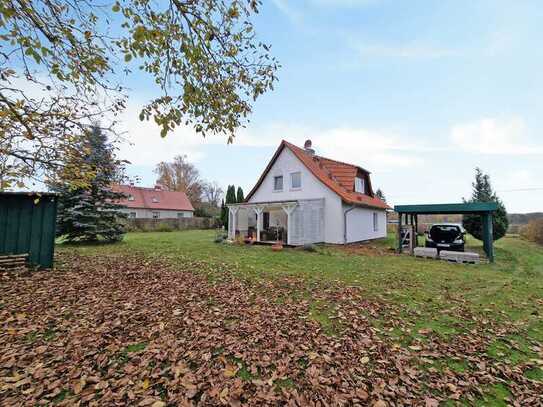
column 484, row 209
column 240, row 215
column 293, row 222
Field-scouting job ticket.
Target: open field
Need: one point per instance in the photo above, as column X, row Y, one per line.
column 175, row 319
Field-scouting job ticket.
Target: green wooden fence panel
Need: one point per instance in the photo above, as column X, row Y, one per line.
column 27, row 225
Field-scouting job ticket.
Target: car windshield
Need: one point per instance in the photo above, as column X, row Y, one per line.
column 446, row 233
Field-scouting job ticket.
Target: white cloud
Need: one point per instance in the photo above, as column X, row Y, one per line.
column 493, row 136
column 413, row 51
column 293, row 14
column 377, row 150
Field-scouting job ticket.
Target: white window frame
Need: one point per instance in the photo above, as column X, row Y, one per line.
column 282, row 182
column 292, row 187
column 375, row 222
column 155, row 213
column 359, row 185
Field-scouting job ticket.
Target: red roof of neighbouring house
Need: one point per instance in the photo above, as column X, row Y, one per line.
column 153, row 198
column 336, row 175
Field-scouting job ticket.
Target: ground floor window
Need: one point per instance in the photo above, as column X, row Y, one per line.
column 375, row 221
column 132, row 215
column 181, row 214
column 156, row 215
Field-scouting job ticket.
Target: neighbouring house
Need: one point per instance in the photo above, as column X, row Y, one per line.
column 303, row 198
column 154, row 203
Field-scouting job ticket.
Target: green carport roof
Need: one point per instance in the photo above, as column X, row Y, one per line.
column 447, row 209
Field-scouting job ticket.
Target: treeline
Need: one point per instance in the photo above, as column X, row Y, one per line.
column 524, row 218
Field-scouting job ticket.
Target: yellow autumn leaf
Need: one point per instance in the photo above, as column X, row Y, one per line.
column 230, row 371
column 145, row 384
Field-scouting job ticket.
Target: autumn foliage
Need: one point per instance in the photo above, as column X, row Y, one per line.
column 533, row 231
column 131, row 330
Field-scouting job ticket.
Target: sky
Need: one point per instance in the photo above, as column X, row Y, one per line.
column 417, row 92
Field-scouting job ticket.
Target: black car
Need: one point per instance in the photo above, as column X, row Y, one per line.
column 446, row 236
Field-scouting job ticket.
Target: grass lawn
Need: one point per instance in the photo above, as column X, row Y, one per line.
column 251, row 326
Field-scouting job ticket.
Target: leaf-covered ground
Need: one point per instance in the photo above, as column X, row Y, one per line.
column 114, row 328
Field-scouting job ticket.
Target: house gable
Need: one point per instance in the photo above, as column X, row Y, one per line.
column 336, row 176
column 286, row 164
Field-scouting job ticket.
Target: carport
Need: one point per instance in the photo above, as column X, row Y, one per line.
column 408, row 216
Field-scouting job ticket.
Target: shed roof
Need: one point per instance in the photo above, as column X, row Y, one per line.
column 449, row 208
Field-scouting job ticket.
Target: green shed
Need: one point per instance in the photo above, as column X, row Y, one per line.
column 27, row 226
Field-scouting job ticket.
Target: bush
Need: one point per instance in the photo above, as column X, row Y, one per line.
column 219, row 239
column 533, row 231
column 308, row 247
column 163, row 227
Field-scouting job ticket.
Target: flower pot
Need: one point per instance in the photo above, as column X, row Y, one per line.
column 277, row 247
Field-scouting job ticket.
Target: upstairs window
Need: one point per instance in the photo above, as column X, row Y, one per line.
column 278, row 183
column 359, row 185
column 296, row 180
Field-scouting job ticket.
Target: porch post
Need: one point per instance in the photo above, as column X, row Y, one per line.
column 258, row 211
column 288, row 210
column 232, row 211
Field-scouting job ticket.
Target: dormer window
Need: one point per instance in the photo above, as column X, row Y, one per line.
column 155, row 199
column 359, row 185
column 131, row 197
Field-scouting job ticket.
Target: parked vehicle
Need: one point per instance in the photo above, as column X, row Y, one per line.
column 446, row 236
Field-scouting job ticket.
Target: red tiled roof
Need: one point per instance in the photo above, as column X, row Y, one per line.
column 336, row 175
column 152, row 198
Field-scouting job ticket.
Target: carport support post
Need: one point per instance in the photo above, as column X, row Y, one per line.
column 488, row 236
column 399, row 233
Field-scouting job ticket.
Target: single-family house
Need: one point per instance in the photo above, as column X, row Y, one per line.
column 154, row 203
column 303, row 198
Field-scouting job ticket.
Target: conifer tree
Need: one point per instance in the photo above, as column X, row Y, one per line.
column 380, row 194
column 239, row 195
column 230, row 198
column 87, row 211
column 224, row 214
column 483, row 192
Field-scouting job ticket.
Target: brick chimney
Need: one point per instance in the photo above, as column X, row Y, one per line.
column 308, row 149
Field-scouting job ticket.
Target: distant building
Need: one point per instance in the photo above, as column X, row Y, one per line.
column 154, row 203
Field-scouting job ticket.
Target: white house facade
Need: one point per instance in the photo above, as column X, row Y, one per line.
column 303, row 198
